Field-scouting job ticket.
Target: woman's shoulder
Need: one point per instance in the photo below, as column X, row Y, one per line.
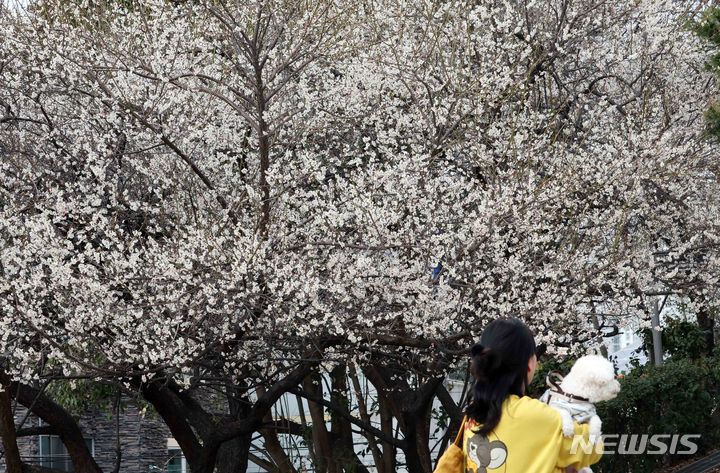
column 528, row 407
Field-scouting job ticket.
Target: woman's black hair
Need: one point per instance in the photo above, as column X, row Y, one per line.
column 499, row 366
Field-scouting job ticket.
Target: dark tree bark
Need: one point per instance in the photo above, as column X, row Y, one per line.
column 312, row 384
column 118, row 443
column 204, row 436
column 411, row 407
column 13, row 462
column 233, row 456
column 389, row 450
column 273, row 446
column 706, row 321
column 341, row 429
column 172, row 410
column 58, row 418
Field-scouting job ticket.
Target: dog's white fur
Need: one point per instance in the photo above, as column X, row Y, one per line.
column 591, row 377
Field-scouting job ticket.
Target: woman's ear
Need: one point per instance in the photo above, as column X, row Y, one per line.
column 532, row 365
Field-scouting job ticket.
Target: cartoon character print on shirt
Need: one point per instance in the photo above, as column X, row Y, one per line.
column 485, row 454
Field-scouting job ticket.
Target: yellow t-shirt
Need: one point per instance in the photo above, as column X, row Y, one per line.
column 528, row 439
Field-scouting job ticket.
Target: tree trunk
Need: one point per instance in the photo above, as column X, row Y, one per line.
column 13, row 463
column 412, row 452
column 312, row 384
column 411, row 407
column 706, row 321
column 389, row 452
column 59, row 419
column 422, row 437
column 233, row 456
column 272, row 443
column 342, row 435
column 171, row 409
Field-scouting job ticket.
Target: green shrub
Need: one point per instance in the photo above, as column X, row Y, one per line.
column 679, row 397
column 680, row 339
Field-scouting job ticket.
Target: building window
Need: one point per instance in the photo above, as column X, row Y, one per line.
column 53, row 454
column 177, row 462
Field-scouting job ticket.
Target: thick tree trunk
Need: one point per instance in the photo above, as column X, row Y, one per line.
column 422, row 438
column 412, row 457
column 706, row 321
column 233, row 456
column 170, row 407
column 272, row 444
column 118, row 442
column 13, row 463
column 276, row 452
column 341, row 429
column 411, row 407
column 312, row 384
column 389, row 452
column 59, row 419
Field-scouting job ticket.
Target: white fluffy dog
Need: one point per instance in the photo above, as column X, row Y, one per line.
column 591, row 380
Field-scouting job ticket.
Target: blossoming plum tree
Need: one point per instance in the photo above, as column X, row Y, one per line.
column 210, row 203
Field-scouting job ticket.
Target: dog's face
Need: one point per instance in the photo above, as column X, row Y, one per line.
column 593, row 377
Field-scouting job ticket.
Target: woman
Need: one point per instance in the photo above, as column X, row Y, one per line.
column 507, row 431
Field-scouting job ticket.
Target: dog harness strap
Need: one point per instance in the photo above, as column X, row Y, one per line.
column 553, row 380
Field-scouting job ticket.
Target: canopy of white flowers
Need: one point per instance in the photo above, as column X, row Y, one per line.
column 237, row 184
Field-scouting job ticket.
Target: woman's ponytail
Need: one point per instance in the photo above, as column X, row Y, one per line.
column 486, row 364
